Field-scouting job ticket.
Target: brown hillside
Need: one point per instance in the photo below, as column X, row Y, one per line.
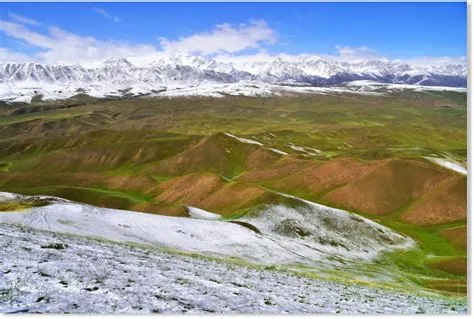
column 285, row 166
column 260, row 159
column 455, row 286
column 30, row 180
column 455, row 265
column 211, row 192
column 389, row 187
column 107, row 156
column 447, row 203
column 218, row 154
column 234, row 197
column 457, row 236
column 190, row 189
column 161, row 209
column 319, row 178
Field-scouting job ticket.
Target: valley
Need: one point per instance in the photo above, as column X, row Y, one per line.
column 338, row 186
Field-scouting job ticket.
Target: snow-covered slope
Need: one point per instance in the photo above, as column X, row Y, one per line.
column 305, row 227
column 206, row 76
column 294, row 231
column 44, row 272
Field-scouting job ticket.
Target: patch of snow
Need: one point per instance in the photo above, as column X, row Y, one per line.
column 4, row 196
column 312, row 229
column 314, row 150
column 449, row 164
column 298, row 148
column 307, row 150
column 244, row 140
column 367, row 85
column 274, row 150
column 198, row 213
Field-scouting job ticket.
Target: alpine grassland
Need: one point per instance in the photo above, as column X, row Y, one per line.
column 364, row 153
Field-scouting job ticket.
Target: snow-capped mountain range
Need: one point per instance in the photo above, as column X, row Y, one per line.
column 21, row 81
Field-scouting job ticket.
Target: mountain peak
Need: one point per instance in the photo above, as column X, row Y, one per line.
column 186, row 71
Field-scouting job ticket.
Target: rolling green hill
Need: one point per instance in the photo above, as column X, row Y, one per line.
column 232, row 155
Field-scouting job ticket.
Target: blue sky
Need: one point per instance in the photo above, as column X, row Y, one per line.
column 392, row 30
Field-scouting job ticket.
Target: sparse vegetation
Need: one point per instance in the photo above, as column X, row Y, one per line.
column 15, row 205
column 58, row 246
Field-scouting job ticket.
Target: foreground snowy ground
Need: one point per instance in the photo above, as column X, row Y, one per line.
column 55, row 273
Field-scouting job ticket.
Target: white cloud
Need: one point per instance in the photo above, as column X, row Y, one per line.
column 62, row 47
column 23, row 20
column 357, row 53
column 224, row 38
column 225, row 41
column 106, row 15
column 427, row 61
column 59, row 46
column 7, row 55
column 345, row 53
column 20, row 31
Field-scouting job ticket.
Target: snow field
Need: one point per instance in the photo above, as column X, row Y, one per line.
column 89, row 276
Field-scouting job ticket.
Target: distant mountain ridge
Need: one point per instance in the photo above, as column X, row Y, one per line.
column 311, row 70
column 189, row 71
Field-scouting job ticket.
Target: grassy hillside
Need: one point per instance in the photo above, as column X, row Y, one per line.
column 357, row 152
